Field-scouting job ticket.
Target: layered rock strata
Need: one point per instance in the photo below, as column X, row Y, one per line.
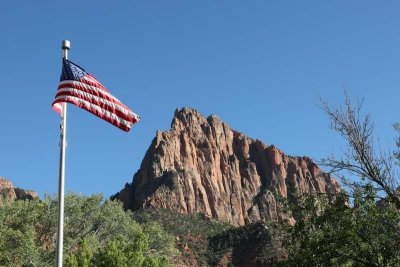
column 202, row 165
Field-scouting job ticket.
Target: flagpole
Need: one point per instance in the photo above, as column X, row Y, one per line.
column 63, row 132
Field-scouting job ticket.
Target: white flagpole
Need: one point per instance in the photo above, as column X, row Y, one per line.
column 63, row 132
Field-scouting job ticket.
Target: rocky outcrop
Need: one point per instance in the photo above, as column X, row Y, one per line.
column 9, row 192
column 202, row 165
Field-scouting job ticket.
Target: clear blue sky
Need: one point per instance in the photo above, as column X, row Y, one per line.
column 258, row 65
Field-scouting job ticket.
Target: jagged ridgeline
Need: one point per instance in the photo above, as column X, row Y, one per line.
column 201, row 165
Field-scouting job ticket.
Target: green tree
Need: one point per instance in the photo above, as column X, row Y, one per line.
column 160, row 243
column 121, row 253
column 337, row 234
column 18, row 236
column 27, row 230
column 118, row 252
column 82, row 258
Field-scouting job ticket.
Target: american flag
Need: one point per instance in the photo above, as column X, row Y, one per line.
column 82, row 89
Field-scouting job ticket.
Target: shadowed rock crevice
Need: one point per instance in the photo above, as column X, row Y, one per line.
column 201, row 165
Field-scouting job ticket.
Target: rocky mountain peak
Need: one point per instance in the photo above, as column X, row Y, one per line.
column 4, row 183
column 190, row 120
column 9, row 192
column 202, row 165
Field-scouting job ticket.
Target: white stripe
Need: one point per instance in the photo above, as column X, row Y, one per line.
column 58, row 107
column 86, row 86
column 98, row 99
column 93, row 106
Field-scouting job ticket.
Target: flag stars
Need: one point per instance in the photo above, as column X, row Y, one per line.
column 71, row 71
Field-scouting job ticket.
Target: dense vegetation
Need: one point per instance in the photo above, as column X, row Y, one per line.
column 96, row 232
column 348, row 232
column 210, row 242
column 253, row 244
column 193, row 232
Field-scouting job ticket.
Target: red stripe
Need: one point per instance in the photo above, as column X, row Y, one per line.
column 93, row 82
column 120, row 114
column 81, row 87
column 93, row 92
column 97, row 84
column 98, row 114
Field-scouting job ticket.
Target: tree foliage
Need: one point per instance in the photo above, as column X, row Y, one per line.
column 94, row 231
column 337, row 234
column 117, row 252
column 191, row 230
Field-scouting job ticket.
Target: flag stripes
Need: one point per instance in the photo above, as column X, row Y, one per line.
column 102, row 102
column 99, row 112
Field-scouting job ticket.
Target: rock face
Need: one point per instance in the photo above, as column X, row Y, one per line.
column 202, row 165
column 9, row 192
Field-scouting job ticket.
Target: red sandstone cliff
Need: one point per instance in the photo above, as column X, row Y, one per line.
column 202, row 165
column 9, row 192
